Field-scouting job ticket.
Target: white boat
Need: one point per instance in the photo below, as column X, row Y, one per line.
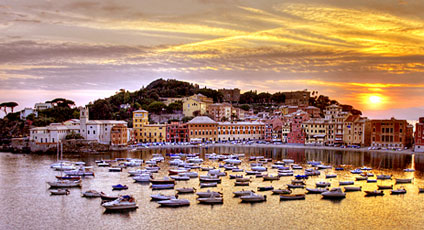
column 366, row 168
column 211, row 200
column 296, row 167
column 160, row 196
column 208, row 193
column 142, row 178
column 233, row 161
column 384, row 177
column 288, row 160
column 316, row 190
column 323, row 184
column 409, row 170
column 122, row 203
column 237, row 170
column 59, row 192
column 292, row 196
column 210, row 179
column 252, row 197
column 334, row 193
column 346, row 182
column 324, row 166
column 134, row 162
column 103, row 164
column 243, row 193
column 259, row 168
column 179, row 177
column 403, row 181
column 207, row 168
column 138, row 172
column 162, row 186
column 216, row 172
column 352, row 188
column 177, row 171
column 243, row 179
column 190, row 174
column 205, row 185
column 91, row 193
column 330, row 176
column 281, row 191
column 398, row 191
column 185, row 190
column 65, row 183
column 174, row 202
column 59, row 163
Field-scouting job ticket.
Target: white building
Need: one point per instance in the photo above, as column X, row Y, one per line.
column 96, row 130
column 26, row 112
column 43, row 106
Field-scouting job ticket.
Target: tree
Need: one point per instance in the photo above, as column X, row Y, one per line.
column 156, row 107
column 73, row 136
column 174, row 106
column 10, row 105
column 101, row 110
column 62, row 102
column 245, row 107
column 278, row 97
column 186, row 119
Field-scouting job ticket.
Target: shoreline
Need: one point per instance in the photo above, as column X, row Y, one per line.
column 284, row 146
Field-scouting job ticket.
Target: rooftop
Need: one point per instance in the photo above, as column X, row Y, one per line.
column 202, row 120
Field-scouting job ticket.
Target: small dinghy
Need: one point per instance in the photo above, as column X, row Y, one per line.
column 295, row 186
column 265, row 188
column 323, row 184
column 374, row 193
column 352, row 188
column 316, row 190
column 252, row 197
column 162, row 186
column 208, row 193
column 384, row 177
column 236, row 176
column 185, row 190
column 205, row 185
column 122, row 203
column 119, row 187
column 179, row 177
column 330, row 176
column 243, row 193
column 346, row 183
column 160, row 196
column 270, row 177
column 211, row 200
column 381, row 187
column 281, row 191
column 60, row 192
column 107, row 197
column 243, row 179
column 292, row 196
column 174, row 203
column 334, row 193
column 371, row 180
column 91, row 193
column 403, row 181
column 398, row 191
column 241, row 183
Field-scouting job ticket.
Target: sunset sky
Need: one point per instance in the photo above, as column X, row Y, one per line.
column 368, row 53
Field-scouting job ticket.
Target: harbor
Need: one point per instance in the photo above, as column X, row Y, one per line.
column 27, row 175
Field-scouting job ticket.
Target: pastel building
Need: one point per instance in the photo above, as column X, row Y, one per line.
column 335, row 118
column 241, row 131
column 220, row 111
column 357, row 131
column 177, row 132
column 315, row 131
column 202, row 129
column 196, row 105
column 153, row 133
column 297, row 134
column 419, row 136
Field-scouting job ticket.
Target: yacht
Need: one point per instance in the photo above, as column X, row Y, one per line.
column 160, row 196
column 174, row 202
column 252, row 197
column 208, row 193
column 91, row 193
column 211, row 200
column 334, row 193
column 185, row 190
column 142, row 178
column 122, row 203
column 65, row 183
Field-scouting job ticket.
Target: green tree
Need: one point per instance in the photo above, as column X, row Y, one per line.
column 175, row 106
column 156, row 107
column 245, row 107
column 186, row 119
column 101, row 110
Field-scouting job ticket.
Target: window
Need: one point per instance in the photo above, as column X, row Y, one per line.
column 88, row 132
column 94, row 131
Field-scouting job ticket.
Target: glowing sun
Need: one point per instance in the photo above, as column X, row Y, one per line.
column 374, row 99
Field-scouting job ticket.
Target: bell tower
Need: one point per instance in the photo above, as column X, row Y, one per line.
column 83, row 121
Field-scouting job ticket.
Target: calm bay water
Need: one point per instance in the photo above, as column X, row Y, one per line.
column 27, row 204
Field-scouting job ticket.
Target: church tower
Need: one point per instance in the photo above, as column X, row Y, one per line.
column 83, row 121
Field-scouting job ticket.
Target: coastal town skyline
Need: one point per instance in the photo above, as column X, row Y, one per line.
column 365, row 54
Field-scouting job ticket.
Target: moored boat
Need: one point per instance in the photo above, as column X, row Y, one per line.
column 211, row 200
column 316, row 190
column 107, row 197
column 323, row 184
column 265, row 188
column 208, row 193
column 403, row 181
column 352, row 188
column 174, row 203
column 65, row 183
column 346, row 182
column 380, row 187
column 164, row 180
column 60, row 192
column 162, row 186
column 185, row 190
column 122, row 203
column 252, row 197
column 334, row 193
column 243, row 193
column 398, row 191
column 119, row 187
column 161, row 196
column 292, row 196
column 205, row 185
column 241, row 183
column 91, row 193
column 374, row 193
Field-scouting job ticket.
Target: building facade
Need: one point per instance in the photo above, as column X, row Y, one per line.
column 390, row 134
column 315, row 131
column 202, row 129
column 419, row 136
column 152, row 133
column 230, row 95
column 297, row 134
column 177, row 132
column 120, row 135
column 297, row 98
column 220, row 111
column 240, row 131
column 196, row 105
column 356, row 131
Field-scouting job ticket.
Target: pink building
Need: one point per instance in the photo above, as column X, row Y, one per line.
column 297, row 135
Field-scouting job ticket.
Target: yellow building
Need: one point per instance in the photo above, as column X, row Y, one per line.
column 356, row 131
column 140, row 118
column 196, row 105
column 316, row 131
column 153, row 133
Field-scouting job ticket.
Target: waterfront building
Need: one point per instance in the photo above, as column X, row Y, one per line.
column 196, row 105
column 152, row 133
column 335, row 118
column 230, row 95
column 238, row 114
column 391, row 133
column 220, row 111
column 285, row 130
column 177, row 132
column 297, row 134
column 202, row 129
column 273, row 129
column 52, row 133
column 120, row 135
column 315, row 131
column 313, row 111
column 419, row 136
column 97, row 130
column 356, row 131
column 241, row 131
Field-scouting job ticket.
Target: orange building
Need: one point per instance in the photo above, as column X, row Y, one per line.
column 391, row 133
column 119, row 135
column 202, row 129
